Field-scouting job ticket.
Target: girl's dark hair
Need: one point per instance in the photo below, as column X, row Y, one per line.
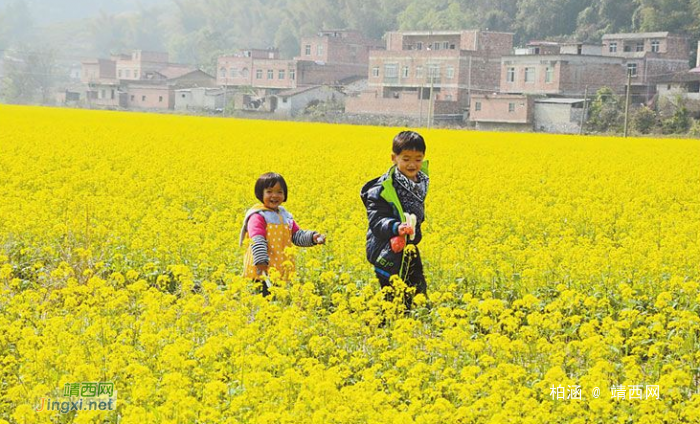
column 408, row 140
column 268, row 180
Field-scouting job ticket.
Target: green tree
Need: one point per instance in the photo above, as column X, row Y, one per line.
column 605, row 112
column 644, row 120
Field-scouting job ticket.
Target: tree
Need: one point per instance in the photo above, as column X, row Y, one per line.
column 678, row 123
column 644, row 120
column 606, row 111
column 30, row 77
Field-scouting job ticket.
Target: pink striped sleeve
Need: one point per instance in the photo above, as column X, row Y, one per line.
column 257, row 226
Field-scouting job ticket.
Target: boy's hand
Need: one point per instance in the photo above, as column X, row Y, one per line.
column 405, row 229
column 319, row 238
column 397, row 243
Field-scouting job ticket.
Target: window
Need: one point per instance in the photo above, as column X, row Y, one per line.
column 510, row 76
column 319, row 50
column 452, row 46
column 132, row 97
column 160, row 99
column 102, row 94
column 245, row 72
column 450, row 72
column 627, row 48
column 404, row 74
column 612, row 47
column 112, row 94
column 419, row 46
column 183, row 95
column 136, row 73
column 655, row 46
column 233, row 72
column 448, row 97
column 222, row 71
column 258, row 74
column 119, row 72
column 445, row 45
column 292, row 74
column 419, row 71
column 375, row 71
column 529, row 75
column 632, row 69
column 549, row 74
column 270, row 74
column 307, row 50
column 434, row 72
column 143, row 98
column 436, row 46
column 639, row 47
column 391, row 70
column 280, row 74
column 511, row 107
column 477, row 106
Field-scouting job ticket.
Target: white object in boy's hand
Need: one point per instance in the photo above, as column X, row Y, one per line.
column 320, row 239
column 411, row 220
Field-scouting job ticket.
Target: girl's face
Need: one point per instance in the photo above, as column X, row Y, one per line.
column 273, row 196
column 409, row 162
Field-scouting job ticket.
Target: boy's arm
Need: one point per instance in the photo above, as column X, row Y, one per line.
column 382, row 221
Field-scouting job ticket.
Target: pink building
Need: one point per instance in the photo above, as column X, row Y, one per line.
column 499, row 111
column 452, row 65
column 134, row 66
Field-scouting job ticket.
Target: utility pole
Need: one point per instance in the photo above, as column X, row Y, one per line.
column 585, row 108
column 627, row 101
column 223, row 110
column 430, row 99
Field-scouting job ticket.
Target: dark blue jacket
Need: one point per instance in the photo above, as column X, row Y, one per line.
column 385, row 212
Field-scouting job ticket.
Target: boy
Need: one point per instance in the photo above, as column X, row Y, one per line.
column 388, row 199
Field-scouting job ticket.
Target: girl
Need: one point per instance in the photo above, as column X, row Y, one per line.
column 271, row 229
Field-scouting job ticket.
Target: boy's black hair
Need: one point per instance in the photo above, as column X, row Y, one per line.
column 268, row 180
column 408, row 140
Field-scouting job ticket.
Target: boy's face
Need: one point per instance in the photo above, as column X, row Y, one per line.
column 273, row 196
column 409, row 162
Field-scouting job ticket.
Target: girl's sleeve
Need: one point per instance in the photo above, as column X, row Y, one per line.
column 257, row 226
column 302, row 238
column 258, row 235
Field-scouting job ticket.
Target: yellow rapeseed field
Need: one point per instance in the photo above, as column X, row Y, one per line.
column 552, row 262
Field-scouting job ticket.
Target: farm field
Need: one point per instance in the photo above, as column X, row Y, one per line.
column 553, row 262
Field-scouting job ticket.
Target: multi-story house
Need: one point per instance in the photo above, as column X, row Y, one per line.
column 328, row 58
column 141, row 79
column 431, row 72
column 649, row 55
column 561, row 69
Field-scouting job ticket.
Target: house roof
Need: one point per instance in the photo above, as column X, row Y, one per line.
column 295, row 91
column 560, row 101
column 685, row 76
column 633, row 36
column 175, row 71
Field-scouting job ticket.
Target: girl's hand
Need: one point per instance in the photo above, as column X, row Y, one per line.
column 319, row 238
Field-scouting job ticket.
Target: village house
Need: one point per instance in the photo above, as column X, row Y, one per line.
column 200, row 99
column 290, row 103
column 649, row 54
column 141, row 79
column 325, row 59
column 432, row 73
column 561, row 69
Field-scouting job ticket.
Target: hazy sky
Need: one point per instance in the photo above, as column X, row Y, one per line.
column 52, row 11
